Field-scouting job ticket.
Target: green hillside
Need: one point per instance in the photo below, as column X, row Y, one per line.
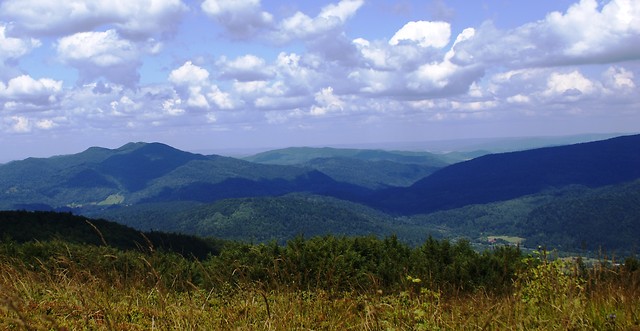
column 499, row 177
column 301, row 155
column 574, row 218
column 23, row 226
column 371, row 174
column 257, row 219
column 606, row 218
column 573, row 197
column 140, row 172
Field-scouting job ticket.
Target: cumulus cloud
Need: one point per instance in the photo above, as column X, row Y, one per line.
column 572, row 84
column 619, row 79
column 593, row 33
column 13, row 48
column 407, row 69
column 117, row 107
column 326, row 102
column 416, row 72
column 303, row 27
column 424, row 33
column 188, row 74
column 241, row 18
column 244, row 68
column 20, row 124
column 103, row 49
column 27, row 90
column 133, row 18
column 290, row 86
column 538, row 91
column 101, row 54
column 192, row 82
column 586, row 33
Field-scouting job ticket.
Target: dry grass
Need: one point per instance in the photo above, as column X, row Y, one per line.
column 63, row 294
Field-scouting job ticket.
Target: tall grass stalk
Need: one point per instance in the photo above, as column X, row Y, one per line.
column 59, row 286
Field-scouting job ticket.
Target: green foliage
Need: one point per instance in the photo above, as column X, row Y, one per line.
column 367, row 264
column 607, row 218
column 257, row 219
column 379, row 174
column 549, row 287
column 23, row 226
column 302, row 155
column 317, row 283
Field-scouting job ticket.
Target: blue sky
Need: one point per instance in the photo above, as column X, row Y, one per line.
column 230, row 74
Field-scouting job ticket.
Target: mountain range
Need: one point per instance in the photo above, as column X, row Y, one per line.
column 313, row 191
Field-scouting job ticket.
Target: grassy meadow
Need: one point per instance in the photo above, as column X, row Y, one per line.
column 323, row 283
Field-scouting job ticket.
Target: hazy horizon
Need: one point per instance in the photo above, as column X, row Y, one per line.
column 438, row 146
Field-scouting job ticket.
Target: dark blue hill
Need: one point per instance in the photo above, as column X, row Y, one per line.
column 498, row 177
column 238, row 187
column 135, row 164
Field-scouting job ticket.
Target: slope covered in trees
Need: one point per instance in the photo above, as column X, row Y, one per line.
column 606, row 218
column 506, row 176
column 260, row 219
column 140, row 172
column 519, row 194
column 23, row 226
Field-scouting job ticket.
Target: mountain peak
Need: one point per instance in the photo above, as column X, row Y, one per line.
column 131, row 146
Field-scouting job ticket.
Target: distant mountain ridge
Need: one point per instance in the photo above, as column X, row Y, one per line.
column 138, row 172
column 155, row 186
column 505, row 176
column 154, row 172
column 300, row 155
column 383, row 168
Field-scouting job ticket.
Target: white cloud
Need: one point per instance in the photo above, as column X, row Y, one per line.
column 244, row 19
column 125, row 106
column 26, row 90
column 299, row 26
column 138, row 19
column 326, row 102
column 619, row 79
column 519, row 98
column 21, row 124
column 189, row 74
column 173, row 107
column 192, row 82
column 45, row 124
column 572, row 84
column 585, row 29
column 418, row 73
column 240, row 18
column 101, row 54
column 424, row 33
column 245, row 68
column 13, row 48
column 375, row 55
column 281, row 103
column 586, row 33
column 221, row 99
column 280, row 117
column 103, row 49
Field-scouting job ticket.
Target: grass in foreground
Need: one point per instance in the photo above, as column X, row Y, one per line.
column 45, row 286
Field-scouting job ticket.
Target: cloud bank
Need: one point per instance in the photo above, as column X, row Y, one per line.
column 296, row 68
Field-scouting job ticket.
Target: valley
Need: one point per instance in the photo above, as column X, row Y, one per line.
column 563, row 197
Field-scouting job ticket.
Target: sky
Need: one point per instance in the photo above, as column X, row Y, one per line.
column 220, row 75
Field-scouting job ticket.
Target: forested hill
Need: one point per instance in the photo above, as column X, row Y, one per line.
column 24, row 226
column 498, row 177
column 150, row 172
